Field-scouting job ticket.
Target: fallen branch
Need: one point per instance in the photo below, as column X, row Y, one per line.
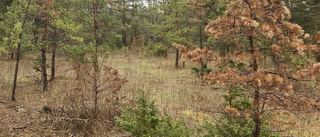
column 21, row 127
column 74, row 119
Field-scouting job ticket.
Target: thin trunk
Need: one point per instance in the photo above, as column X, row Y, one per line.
column 257, row 115
column 227, row 48
column 200, row 32
column 133, row 16
column 276, row 58
column 133, row 8
column 44, row 69
column 43, row 52
column 54, row 47
column 95, row 60
column 95, row 88
column 12, row 55
column 220, row 50
column 201, row 47
column 256, row 99
column 183, row 63
column 124, row 34
column 177, row 52
column 13, row 97
column 177, row 59
column 152, row 15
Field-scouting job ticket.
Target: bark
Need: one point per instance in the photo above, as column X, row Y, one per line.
column 256, row 99
column 44, row 69
column 13, row 97
column 133, row 34
column 124, row 33
column 43, row 53
column 201, row 47
column 54, row 47
column 133, row 8
column 276, row 60
column 257, row 119
column 200, row 34
column 177, row 59
column 95, row 88
column 11, row 55
column 95, row 60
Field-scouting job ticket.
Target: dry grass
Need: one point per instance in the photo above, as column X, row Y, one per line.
column 177, row 91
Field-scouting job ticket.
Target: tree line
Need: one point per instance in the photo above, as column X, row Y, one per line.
column 244, row 32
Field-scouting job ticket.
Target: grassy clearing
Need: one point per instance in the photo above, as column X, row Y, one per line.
column 177, row 91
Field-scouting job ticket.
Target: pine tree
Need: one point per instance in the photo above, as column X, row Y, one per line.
column 248, row 23
column 16, row 22
column 172, row 25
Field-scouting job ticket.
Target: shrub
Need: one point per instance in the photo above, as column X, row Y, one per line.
column 78, row 52
column 203, row 70
column 156, row 49
column 92, row 102
column 237, row 120
column 145, row 120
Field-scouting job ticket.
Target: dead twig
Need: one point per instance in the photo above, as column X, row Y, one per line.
column 21, row 127
column 74, row 119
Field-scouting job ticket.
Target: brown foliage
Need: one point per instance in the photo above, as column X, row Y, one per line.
column 94, row 102
column 271, row 88
column 198, row 55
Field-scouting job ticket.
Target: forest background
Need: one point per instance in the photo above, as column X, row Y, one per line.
column 70, row 67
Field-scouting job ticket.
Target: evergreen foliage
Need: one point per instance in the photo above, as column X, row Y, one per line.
column 156, row 49
column 145, row 120
column 237, row 120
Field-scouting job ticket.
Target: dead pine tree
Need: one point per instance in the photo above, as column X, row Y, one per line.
column 249, row 22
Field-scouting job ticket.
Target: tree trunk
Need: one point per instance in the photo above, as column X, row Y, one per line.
column 95, row 58
column 95, row 88
column 133, row 33
column 183, row 63
column 11, row 55
column 177, row 58
column 201, row 47
column 54, row 47
column 13, row 95
column 257, row 114
column 200, row 34
column 44, row 69
column 165, row 54
column 276, row 60
column 256, row 99
column 124, row 33
column 133, row 8
column 43, row 52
